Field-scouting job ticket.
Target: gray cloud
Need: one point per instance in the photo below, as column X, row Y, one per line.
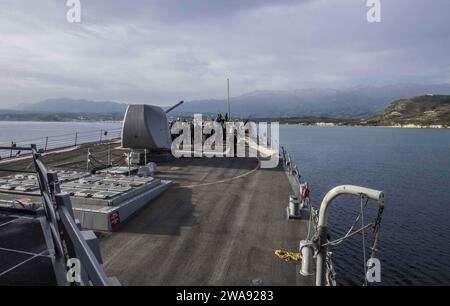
column 161, row 51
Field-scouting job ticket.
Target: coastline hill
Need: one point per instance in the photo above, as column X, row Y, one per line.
column 428, row 110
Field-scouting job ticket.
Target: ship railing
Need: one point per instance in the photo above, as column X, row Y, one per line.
column 60, row 141
column 291, row 170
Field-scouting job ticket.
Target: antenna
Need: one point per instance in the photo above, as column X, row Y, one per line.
column 228, row 87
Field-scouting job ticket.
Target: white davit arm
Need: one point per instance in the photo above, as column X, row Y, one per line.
column 346, row 189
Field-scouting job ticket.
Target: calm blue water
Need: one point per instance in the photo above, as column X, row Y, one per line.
column 51, row 135
column 412, row 166
column 27, row 131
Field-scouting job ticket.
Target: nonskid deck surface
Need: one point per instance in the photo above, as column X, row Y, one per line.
column 218, row 225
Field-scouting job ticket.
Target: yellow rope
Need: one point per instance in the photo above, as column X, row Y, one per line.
column 288, row 256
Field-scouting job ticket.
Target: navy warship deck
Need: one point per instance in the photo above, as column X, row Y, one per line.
column 219, row 223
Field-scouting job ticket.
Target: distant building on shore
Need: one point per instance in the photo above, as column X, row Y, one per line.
column 325, row 124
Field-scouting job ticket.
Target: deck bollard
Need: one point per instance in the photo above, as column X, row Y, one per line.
column 306, row 251
column 294, row 207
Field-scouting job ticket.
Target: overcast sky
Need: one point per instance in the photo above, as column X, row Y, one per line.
column 162, row 51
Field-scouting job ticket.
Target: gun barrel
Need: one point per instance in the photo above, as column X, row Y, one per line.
column 175, row 106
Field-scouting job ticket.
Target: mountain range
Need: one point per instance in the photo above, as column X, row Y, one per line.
column 67, row 105
column 345, row 103
column 354, row 102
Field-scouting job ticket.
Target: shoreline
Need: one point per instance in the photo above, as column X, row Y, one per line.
column 319, row 124
column 408, row 126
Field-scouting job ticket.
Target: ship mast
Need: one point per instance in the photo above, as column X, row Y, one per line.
column 228, row 99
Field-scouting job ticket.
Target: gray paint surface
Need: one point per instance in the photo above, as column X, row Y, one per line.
column 145, row 127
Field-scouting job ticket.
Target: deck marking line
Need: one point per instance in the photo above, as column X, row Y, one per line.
column 224, row 180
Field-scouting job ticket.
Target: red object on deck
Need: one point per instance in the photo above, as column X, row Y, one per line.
column 305, row 193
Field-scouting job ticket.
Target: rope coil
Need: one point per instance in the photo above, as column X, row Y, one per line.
column 288, row 256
